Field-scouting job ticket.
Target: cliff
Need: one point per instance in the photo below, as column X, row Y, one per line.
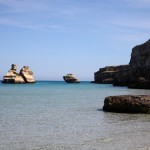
column 134, row 75
column 25, row 75
column 105, row 75
column 111, row 74
column 140, row 66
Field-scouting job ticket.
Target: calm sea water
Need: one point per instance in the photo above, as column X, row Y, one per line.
column 61, row 116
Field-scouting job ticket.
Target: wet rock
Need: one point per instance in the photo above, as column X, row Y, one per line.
column 127, row 104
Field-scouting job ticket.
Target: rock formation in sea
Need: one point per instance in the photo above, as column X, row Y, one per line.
column 70, row 78
column 134, row 75
column 127, row 104
column 25, row 75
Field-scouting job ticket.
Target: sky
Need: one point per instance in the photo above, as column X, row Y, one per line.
column 56, row 37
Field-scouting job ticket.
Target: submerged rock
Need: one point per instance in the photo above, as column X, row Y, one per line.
column 70, row 78
column 25, row 75
column 127, row 104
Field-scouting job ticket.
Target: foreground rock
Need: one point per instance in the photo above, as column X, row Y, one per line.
column 136, row 74
column 69, row 78
column 127, row 104
column 25, row 75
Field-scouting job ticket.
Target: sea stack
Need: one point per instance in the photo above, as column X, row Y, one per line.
column 25, row 75
column 70, row 78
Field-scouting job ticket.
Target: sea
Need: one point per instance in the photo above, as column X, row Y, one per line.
column 54, row 115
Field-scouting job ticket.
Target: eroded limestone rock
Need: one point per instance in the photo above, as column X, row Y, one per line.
column 25, row 76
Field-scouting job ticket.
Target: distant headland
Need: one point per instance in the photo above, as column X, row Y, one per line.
column 136, row 74
column 24, row 76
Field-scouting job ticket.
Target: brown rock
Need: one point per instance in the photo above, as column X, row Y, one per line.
column 70, row 78
column 127, row 104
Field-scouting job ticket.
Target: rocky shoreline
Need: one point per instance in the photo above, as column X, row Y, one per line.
column 136, row 74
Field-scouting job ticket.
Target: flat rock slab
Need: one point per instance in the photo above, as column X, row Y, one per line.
column 127, row 104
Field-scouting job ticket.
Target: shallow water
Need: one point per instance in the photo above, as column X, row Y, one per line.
column 60, row 116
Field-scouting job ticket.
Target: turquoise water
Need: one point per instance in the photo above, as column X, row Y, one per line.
column 60, row 116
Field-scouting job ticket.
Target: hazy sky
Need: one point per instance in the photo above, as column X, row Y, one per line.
column 56, row 37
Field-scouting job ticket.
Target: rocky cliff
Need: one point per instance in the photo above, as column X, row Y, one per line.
column 140, row 66
column 111, row 74
column 25, row 75
column 134, row 75
column 105, row 75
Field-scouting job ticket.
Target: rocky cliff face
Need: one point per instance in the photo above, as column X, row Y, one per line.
column 111, row 74
column 140, row 57
column 25, row 75
column 121, row 78
column 134, row 75
column 140, row 66
column 105, row 75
